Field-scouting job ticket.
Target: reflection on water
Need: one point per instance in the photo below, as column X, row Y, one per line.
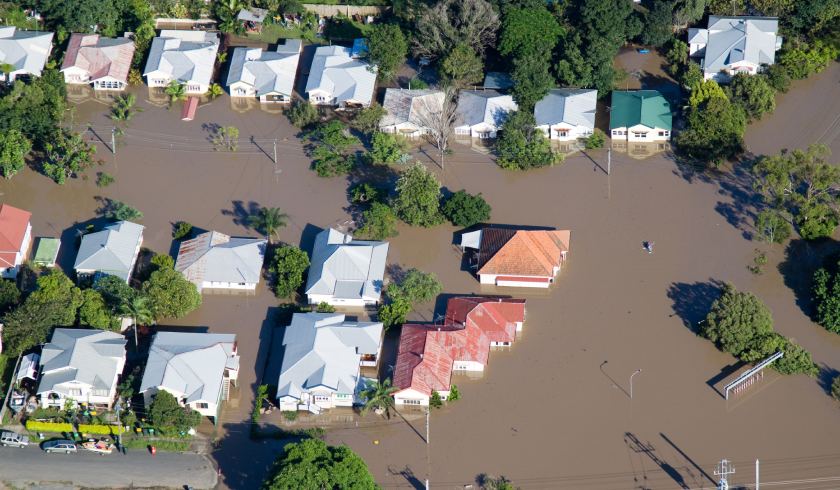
column 245, row 104
column 640, row 151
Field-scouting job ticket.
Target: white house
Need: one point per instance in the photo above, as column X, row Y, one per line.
column 322, row 356
column 25, row 51
column 409, row 112
column 481, row 113
column 732, row 45
column 566, row 114
column 112, row 251
column 266, row 75
column 102, row 61
column 346, row 272
column 15, row 238
column 196, row 368
column 338, row 79
column 81, row 366
column 214, row 260
column 640, row 116
column 188, row 57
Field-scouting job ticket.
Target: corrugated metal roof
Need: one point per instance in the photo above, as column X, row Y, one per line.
column 27, row 51
column 99, row 56
column 409, row 106
column 484, row 106
column 338, row 259
column 186, row 56
column 269, row 72
column 91, row 357
column 216, row 257
column 646, row 107
column 110, row 251
column 734, row 39
column 335, row 72
column 574, row 106
column 13, row 225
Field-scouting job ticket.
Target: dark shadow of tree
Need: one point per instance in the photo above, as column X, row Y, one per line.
column 826, row 377
column 241, row 212
column 692, row 302
column 802, row 259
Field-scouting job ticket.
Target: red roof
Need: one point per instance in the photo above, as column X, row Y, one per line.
column 190, row 106
column 522, row 252
column 108, row 57
column 496, row 317
column 427, row 352
column 13, row 225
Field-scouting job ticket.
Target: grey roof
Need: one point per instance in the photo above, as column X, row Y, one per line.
column 346, row 268
column 26, row 50
column 698, row 36
column 112, row 250
column 498, row 80
column 335, row 72
column 192, row 364
column 575, row 106
column 184, row 55
column 734, row 39
column 407, row 106
column 488, row 106
column 91, row 357
column 322, row 349
column 216, row 257
column 252, row 14
column 269, row 72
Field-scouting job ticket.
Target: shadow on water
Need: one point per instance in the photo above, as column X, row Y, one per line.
column 647, row 449
column 802, row 259
column 241, row 212
column 71, row 238
column 307, row 237
column 692, row 302
column 826, row 377
column 724, row 373
column 408, row 474
column 744, row 203
column 696, row 478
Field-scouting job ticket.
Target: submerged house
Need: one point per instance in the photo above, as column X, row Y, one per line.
column 481, row 113
column 101, row 61
column 732, row 45
column 566, row 114
column 266, row 75
column 640, row 116
column 187, row 57
column 322, row 358
column 338, row 79
column 517, row 258
column 409, row 112
column 213, row 260
column 15, row 238
column 112, row 251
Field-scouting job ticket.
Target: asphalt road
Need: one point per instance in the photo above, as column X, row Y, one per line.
column 31, row 467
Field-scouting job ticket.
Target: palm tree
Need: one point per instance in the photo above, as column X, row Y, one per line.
column 137, row 307
column 176, row 91
column 123, row 108
column 215, row 90
column 226, row 12
column 269, row 220
column 378, row 398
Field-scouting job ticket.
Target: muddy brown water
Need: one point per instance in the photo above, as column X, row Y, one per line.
column 550, row 412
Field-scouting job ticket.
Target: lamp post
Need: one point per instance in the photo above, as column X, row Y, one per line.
column 631, row 381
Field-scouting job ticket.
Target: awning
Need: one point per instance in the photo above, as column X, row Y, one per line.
column 471, row 239
column 28, row 367
column 190, row 106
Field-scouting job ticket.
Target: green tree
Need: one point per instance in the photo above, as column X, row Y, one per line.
column 310, row 463
column 803, row 61
column 387, row 148
column 462, row 67
column 772, row 227
column 176, row 91
column 214, row 90
column 521, row 146
column 378, row 222
column 378, row 397
column 14, row 147
column 454, row 394
column 714, row 132
column 489, row 482
column 705, row 91
column 676, row 56
column 796, row 360
column 753, row 93
column 531, row 80
column 387, row 49
column 169, row 417
column 528, row 32
column 449, row 23
column 35, row 107
column 162, row 261
column 268, row 221
column 181, row 230
column 287, row 266
column 735, row 319
column 331, row 163
column 138, row 308
column 393, row 313
column 66, row 155
column 226, row 138
column 835, row 387
column 367, row 119
column 9, row 295
column 418, row 197
column 813, row 16
column 659, row 25
column 123, row 107
column 226, row 11
column 415, row 286
column 777, row 77
column 365, row 192
column 435, row 401
column 324, row 307
column 466, row 210
column 302, row 114
column 826, row 291
column 94, row 312
column 170, row 294
column 596, row 140
column 119, row 211
column 115, row 292
column 56, row 288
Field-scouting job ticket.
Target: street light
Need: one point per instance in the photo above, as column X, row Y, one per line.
column 631, row 381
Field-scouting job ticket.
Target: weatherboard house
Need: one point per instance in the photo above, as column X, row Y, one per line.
column 266, row 75
column 15, row 238
column 213, row 260
column 566, row 114
column 187, row 57
column 80, row 366
column 732, row 45
column 409, row 112
column 429, row 355
column 346, row 272
column 517, row 257
column 112, row 251
column 25, row 52
column 338, row 79
column 101, row 61
column 480, row 113
column 322, row 358
column 640, row 116
column 196, row 368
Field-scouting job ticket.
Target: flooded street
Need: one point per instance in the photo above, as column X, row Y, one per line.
column 555, row 410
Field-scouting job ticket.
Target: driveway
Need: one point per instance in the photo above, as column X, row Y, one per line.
column 30, row 467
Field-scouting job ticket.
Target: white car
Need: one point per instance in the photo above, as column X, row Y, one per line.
column 60, row 446
column 13, row 439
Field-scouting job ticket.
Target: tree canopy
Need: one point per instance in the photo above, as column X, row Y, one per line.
column 170, row 294
column 450, row 23
column 462, row 67
column 827, row 297
column 714, row 126
column 169, row 417
column 14, row 147
column 378, row 222
column 465, row 210
column 418, row 197
column 521, row 146
column 311, row 463
column 753, row 94
column 288, row 265
column 387, row 48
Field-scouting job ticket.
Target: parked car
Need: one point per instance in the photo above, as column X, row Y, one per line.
column 13, row 439
column 60, row 446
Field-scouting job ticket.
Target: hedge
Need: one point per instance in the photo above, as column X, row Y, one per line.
column 99, row 429
column 35, row 426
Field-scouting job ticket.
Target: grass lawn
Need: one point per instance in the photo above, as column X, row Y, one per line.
column 160, row 444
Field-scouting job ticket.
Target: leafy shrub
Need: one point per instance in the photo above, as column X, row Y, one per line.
column 302, row 113
column 835, row 388
column 181, row 230
column 803, row 61
column 465, row 210
column 827, row 298
column 378, row 223
column 35, row 426
column 331, row 163
column 595, row 140
column 778, row 77
column 435, row 401
column 387, row 148
column 288, row 266
column 100, row 429
column 394, row 313
column 454, row 394
column 290, row 415
column 104, row 179
column 365, row 192
column 324, row 307
column 118, row 210
column 772, row 227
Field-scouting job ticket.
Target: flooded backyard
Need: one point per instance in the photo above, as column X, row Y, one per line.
column 555, row 410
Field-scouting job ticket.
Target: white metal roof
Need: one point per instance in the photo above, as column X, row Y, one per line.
column 87, row 356
column 186, row 56
column 734, row 39
column 335, row 72
column 112, row 250
column 483, row 106
column 216, row 257
column 269, row 72
column 346, row 268
column 574, row 106
column 27, row 51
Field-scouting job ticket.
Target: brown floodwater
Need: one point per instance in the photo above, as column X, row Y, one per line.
column 554, row 411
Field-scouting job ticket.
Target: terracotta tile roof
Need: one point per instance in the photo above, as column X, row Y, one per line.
column 101, row 57
column 496, row 317
column 522, row 252
column 13, row 225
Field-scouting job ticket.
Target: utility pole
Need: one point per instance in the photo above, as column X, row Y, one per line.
column 631, row 381
column 275, row 151
column 609, row 160
column 428, row 457
column 427, row 426
column 723, row 470
column 756, row 475
column 114, row 140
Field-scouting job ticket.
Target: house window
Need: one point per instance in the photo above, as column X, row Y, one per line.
column 202, row 405
column 242, row 284
column 342, row 396
column 664, row 133
column 240, row 91
column 99, row 392
column 411, row 402
column 322, row 398
column 462, row 131
column 562, row 133
column 639, row 134
column 75, row 391
column 619, row 132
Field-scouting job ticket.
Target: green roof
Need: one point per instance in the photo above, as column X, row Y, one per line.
column 646, row 107
column 46, row 251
